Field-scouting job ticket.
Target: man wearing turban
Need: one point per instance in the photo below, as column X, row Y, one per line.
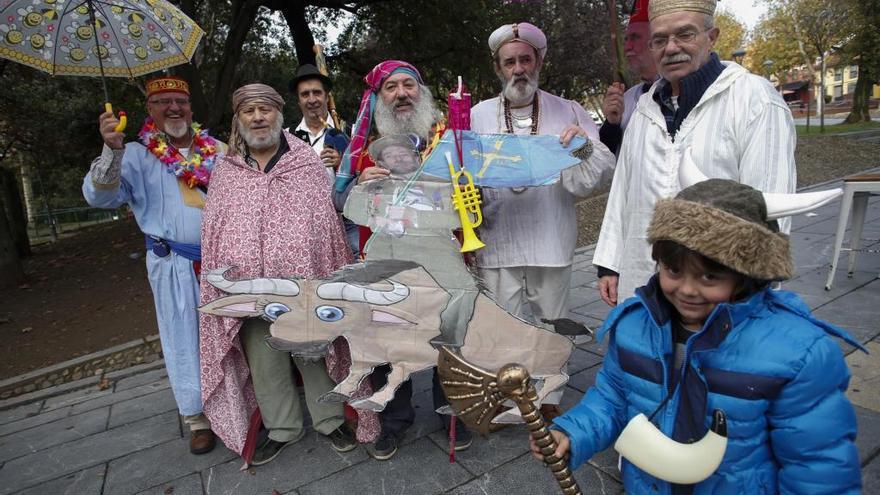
column 735, row 123
column 530, row 233
column 269, row 214
column 398, row 108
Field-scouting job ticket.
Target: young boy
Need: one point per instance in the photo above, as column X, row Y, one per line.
column 707, row 333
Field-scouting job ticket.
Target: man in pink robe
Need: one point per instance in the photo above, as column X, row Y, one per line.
column 268, row 214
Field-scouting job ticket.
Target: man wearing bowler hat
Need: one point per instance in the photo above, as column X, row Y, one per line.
column 312, row 90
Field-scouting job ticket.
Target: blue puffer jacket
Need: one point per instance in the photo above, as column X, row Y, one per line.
column 766, row 362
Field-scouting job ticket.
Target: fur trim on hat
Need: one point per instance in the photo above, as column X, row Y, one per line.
column 743, row 246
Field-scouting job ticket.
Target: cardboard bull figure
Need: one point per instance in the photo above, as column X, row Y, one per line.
column 389, row 312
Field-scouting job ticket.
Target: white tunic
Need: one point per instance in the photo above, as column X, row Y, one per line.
column 741, row 130
column 536, row 226
column 630, row 100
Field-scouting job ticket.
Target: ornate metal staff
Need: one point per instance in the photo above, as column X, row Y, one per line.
column 477, row 396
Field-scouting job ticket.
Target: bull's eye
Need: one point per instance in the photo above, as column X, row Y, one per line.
column 274, row 310
column 329, row 313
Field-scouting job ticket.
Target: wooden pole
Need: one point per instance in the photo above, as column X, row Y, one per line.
column 616, row 52
column 322, row 68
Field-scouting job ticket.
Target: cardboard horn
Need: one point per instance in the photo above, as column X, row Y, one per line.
column 642, row 444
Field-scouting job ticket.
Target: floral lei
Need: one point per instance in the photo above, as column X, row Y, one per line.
column 194, row 171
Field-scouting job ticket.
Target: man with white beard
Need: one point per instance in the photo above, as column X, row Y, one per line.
column 735, row 124
column 268, row 214
column 173, row 155
column 530, row 233
column 399, row 108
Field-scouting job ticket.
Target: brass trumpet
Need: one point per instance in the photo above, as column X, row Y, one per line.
column 466, row 200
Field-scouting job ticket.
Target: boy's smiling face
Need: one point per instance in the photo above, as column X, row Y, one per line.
column 695, row 291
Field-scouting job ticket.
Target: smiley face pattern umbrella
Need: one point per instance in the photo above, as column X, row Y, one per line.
column 117, row 38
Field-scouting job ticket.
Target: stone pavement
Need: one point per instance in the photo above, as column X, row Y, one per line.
column 128, row 438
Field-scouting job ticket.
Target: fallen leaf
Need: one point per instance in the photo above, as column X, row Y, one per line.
column 104, row 384
column 26, row 329
column 169, row 490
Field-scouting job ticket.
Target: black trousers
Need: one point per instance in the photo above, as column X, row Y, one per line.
column 399, row 413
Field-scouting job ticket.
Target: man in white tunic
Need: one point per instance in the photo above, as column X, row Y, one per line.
column 163, row 180
column 530, row 233
column 735, row 123
column 618, row 106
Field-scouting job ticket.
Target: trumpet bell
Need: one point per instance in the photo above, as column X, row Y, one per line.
column 471, row 241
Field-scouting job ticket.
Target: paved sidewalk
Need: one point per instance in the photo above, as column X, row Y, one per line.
column 128, row 438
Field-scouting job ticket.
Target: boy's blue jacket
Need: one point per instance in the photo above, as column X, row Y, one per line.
column 766, row 362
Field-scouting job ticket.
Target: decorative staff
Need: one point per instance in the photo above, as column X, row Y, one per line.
column 322, row 68
column 478, row 395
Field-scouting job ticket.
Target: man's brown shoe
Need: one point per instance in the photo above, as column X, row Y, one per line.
column 201, row 441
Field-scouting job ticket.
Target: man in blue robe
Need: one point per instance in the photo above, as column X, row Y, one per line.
column 163, row 180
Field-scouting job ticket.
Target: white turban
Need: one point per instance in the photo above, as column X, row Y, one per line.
column 523, row 31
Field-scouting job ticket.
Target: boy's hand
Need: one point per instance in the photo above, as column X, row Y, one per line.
column 562, row 445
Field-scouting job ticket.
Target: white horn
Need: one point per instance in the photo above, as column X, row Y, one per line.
column 642, row 444
column 277, row 286
column 783, row 205
column 356, row 293
column 688, row 173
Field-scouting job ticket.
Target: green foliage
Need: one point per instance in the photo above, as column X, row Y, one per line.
column 51, row 122
column 732, row 36
column 446, row 42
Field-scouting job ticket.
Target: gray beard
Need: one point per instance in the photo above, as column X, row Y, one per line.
column 420, row 121
column 176, row 130
column 519, row 94
column 267, row 142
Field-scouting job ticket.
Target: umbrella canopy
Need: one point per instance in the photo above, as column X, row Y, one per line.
column 117, row 38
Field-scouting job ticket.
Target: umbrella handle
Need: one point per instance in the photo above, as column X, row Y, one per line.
column 123, row 119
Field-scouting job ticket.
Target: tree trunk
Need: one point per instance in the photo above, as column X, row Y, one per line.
column 14, row 212
column 192, row 74
column 822, row 98
column 27, row 190
column 11, row 273
column 862, row 94
column 294, row 13
column 242, row 16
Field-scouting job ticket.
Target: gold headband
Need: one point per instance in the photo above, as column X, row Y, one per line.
column 166, row 85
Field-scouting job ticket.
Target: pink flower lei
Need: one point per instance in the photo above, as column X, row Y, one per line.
column 193, row 171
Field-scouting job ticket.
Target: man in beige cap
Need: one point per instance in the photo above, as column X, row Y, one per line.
column 735, row 123
column 530, row 233
column 268, row 214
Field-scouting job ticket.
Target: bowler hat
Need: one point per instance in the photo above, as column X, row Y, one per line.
column 309, row 71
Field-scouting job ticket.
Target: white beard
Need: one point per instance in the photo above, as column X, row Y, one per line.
column 177, row 129
column 265, row 142
column 520, row 93
column 419, row 121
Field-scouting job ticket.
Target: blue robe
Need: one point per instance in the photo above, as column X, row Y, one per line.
column 155, row 199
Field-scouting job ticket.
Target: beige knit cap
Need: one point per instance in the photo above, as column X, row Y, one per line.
column 656, row 8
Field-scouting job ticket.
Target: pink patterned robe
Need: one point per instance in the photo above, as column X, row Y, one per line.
column 276, row 224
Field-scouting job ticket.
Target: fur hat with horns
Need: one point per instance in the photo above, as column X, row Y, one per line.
column 732, row 223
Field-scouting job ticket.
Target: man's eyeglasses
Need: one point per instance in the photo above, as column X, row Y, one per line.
column 682, row 38
column 164, row 102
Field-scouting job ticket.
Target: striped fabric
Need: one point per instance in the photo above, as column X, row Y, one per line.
column 741, row 130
